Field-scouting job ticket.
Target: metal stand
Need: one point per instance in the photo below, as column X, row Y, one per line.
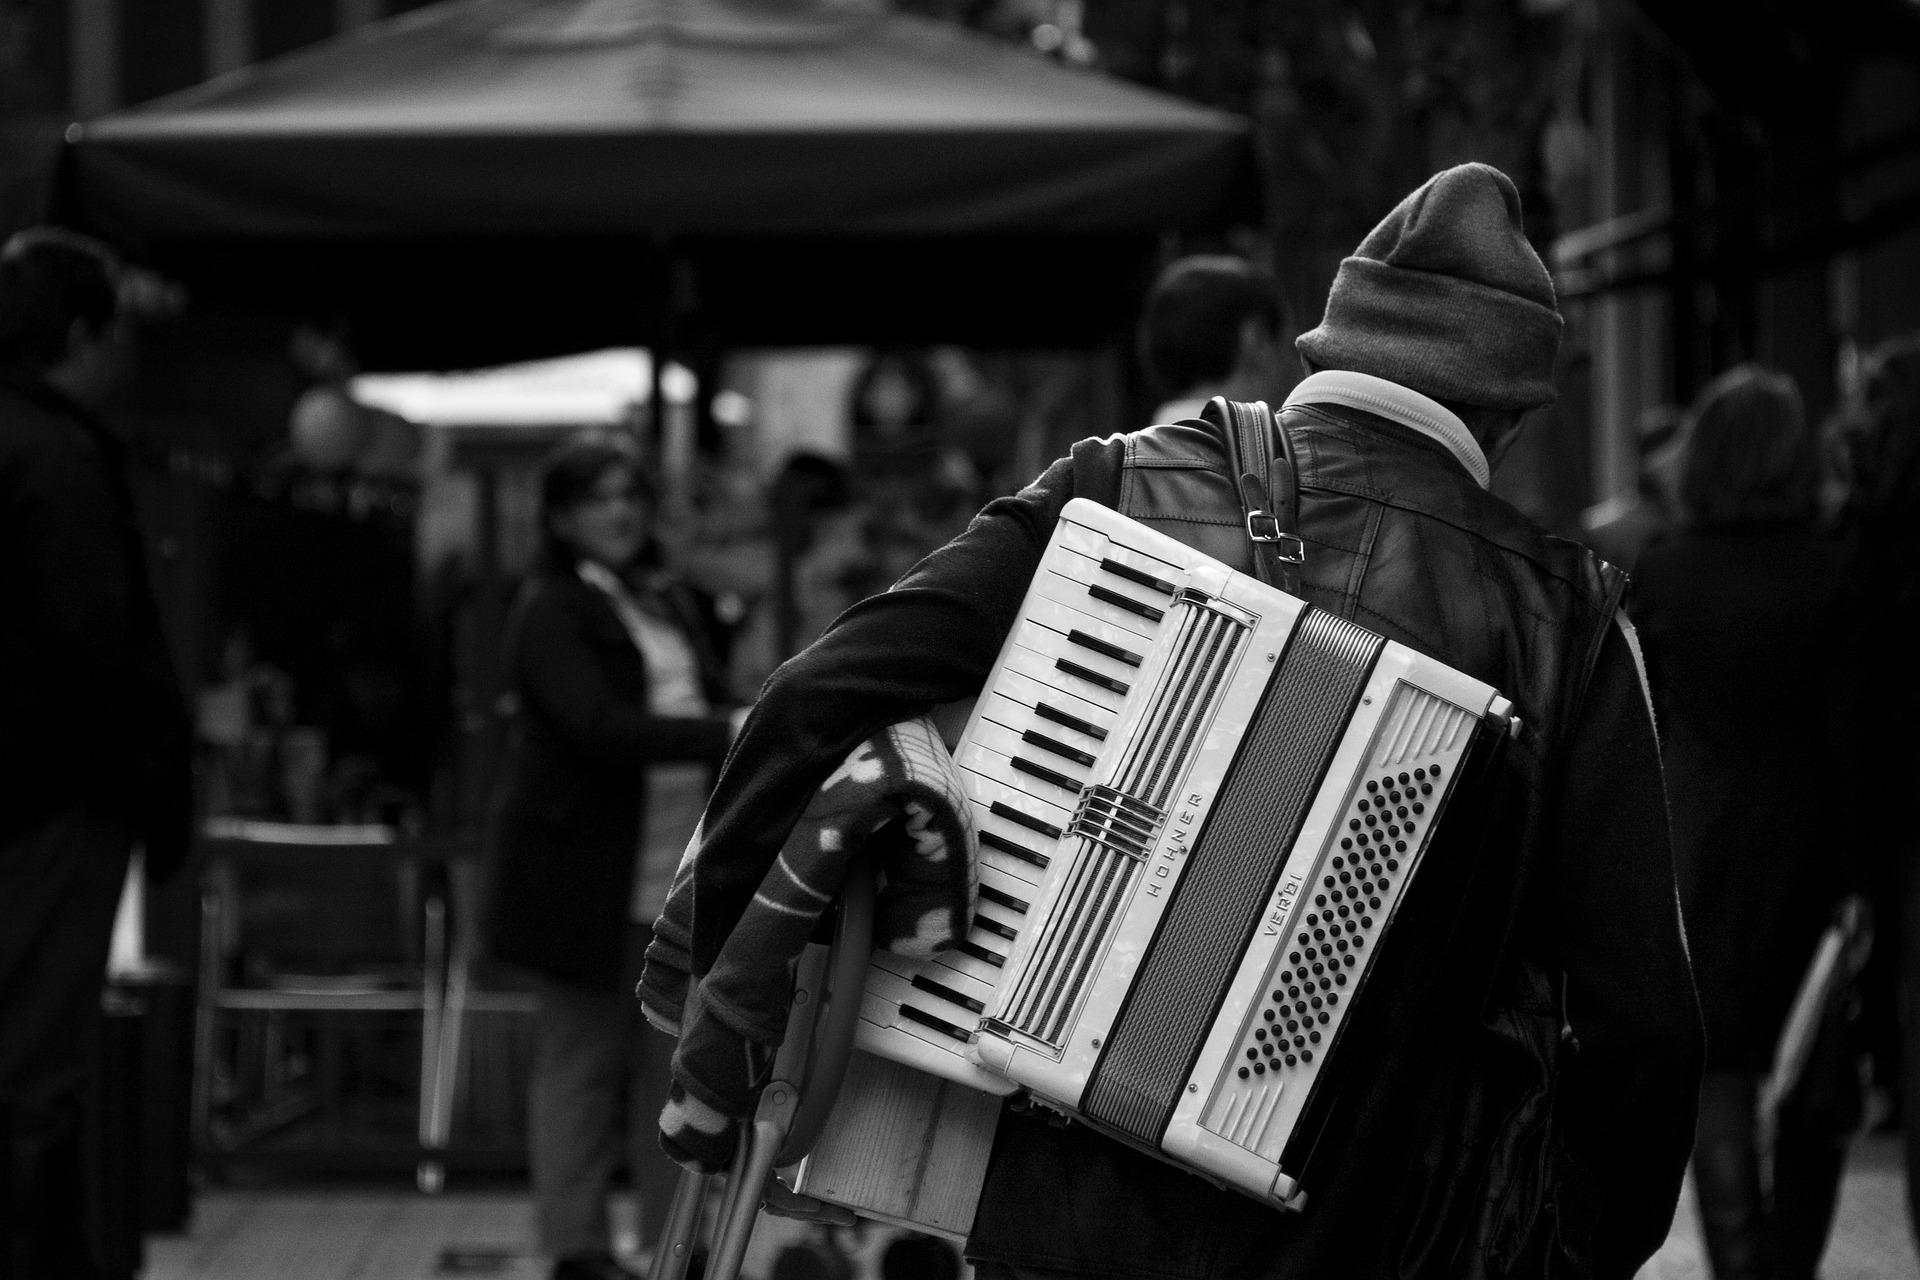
column 794, row 1105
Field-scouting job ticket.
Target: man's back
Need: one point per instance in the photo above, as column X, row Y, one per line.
column 1443, row 1138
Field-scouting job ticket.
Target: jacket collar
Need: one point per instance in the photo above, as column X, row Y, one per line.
column 1396, row 404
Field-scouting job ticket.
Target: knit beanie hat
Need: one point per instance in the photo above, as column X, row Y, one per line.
column 1446, row 297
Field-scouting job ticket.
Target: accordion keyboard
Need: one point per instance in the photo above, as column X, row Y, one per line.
column 1093, row 615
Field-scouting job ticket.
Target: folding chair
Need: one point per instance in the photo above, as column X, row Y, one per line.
column 303, row 925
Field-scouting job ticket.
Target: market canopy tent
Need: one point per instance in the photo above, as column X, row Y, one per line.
column 488, row 178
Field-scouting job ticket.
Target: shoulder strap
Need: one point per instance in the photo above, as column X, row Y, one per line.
column 1264, row 479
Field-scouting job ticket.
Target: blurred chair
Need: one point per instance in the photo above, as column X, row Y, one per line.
column 303, row 927
column 473, row 987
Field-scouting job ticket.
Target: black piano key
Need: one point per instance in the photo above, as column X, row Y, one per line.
column 1005, row 899
column 1139, row 576
column 1059, row 748
column 1104, row 649
column 1079, row 672
column 1001, row 809
column 994, row 927
column 926, row 1019
column 947, row 993
column 1119, row 601
column 1073, row 722
column 1023, row 765
column 994, row 840
column 979, row 952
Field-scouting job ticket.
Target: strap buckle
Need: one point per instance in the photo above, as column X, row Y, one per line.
column 1264, row 527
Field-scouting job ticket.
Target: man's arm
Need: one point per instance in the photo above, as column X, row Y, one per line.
column 1631, row 1087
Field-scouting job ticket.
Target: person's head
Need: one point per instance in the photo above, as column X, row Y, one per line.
column 897, row 392
column 596, row 502
column 1881, row 441
column 808, row 487
column 1447, row 297
column 59, row 297
column 1747, row 456
column 1213, row 321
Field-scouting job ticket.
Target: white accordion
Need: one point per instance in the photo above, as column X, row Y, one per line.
column 1200, row 802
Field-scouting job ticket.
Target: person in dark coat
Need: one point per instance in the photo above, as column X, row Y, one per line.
column 1751, row 618
column 617, row 726
column 94, row 739
column 1522, row 1099
column 1880, row 451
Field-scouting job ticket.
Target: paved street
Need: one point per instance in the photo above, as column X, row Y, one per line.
column 398, row 1234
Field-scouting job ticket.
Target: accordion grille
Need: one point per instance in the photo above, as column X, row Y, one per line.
column 1358, row 881
column 1215, row 910
column 1116, row 822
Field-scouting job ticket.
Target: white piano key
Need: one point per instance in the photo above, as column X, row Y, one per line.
column 1055, row 597
column 1003, row 741
column 1040, row 667
column 1018, row 701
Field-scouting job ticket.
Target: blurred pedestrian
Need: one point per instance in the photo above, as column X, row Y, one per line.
column 1213, row 325
column 823, row 559
column 95, row 740
column 618, row 721
column 1620, row 528
column 1880, row 447
column 1750, row 615
column 917, row 488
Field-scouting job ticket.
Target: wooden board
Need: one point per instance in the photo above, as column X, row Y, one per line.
column 903, row 1147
